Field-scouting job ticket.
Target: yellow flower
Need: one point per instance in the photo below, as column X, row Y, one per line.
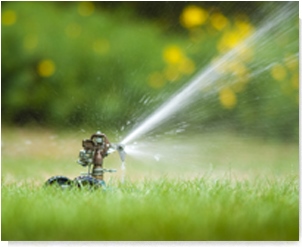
column 244, row 28
column 193, row 16
column 173, row 55
column 220, row 68
column 227, row 98
column 245, row 53
column 171, row 73
column 85, row 8
column 278, row 72
column 46, row 68
column 101, row 46
column 187, row 66
column 9, row 17
column 235, row 36
column 218, row 21
column 156, row 80
column 229, row 40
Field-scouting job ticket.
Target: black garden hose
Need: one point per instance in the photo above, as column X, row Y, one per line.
column 61, row 181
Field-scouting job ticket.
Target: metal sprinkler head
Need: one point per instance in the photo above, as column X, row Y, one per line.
column 121, row 150
column 93, row 153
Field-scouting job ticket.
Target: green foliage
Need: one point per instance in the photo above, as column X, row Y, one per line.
column 96, row 61
column 92, row 64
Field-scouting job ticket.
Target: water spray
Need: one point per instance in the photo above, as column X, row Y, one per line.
column 206, row 78
column 98, row 147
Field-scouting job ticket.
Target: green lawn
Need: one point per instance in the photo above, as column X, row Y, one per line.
column 255, row 198
column 199, row 209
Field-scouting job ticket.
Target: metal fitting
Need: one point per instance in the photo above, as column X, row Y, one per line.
column 97, row 171
column 85, row 157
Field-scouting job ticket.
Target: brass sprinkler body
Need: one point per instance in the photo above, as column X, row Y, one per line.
column 94, row 151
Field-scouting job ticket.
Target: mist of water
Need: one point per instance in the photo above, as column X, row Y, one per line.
column 209, row 76
column 203, row 85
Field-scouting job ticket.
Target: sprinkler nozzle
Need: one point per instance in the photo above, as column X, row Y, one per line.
column 121, row 150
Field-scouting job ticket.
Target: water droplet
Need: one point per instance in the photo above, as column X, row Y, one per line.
column 157, row 157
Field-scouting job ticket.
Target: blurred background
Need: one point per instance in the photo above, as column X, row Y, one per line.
column 109, row 64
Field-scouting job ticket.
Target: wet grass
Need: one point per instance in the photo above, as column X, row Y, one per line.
column 164, row 209
column 257, row 199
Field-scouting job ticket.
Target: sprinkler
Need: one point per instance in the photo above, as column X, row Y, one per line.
column 93, row 153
